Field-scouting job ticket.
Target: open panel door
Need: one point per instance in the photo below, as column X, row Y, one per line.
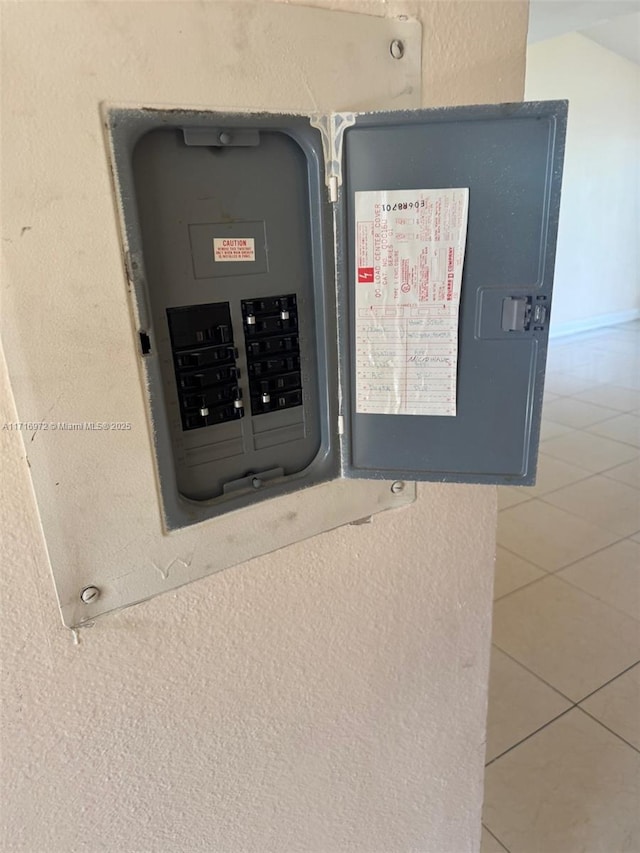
column 509, row 159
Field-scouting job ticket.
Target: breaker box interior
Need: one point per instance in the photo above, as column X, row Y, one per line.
column 264, row 367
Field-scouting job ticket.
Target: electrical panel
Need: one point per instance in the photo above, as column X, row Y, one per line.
column 350, row 295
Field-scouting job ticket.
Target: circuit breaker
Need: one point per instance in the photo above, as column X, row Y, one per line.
column 350, row 295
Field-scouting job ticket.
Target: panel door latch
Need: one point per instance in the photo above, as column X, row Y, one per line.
column 520, row 313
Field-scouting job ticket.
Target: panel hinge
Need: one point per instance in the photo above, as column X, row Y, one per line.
column 333, row 188
column 332, row 128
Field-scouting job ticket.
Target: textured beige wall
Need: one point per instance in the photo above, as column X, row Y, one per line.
column 597, row 278
column 329, row 697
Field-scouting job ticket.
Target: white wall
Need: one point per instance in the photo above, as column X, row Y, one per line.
column 598, row 263
column 328, row 697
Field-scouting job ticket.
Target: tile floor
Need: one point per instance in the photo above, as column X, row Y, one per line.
column 563, row 739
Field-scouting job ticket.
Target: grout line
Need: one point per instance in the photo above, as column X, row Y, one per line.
column 574, row 348
column 607, row 683
column 600, row 723
column 573, row 397
column 607, row 474
column 554, row 572
column 539, row 677
column 529, row 736
column 519, row 503
column 577, row 396
column 591, row 595
column 617, row 414
column 588, row 431
column 574, row 705
column 591, row 553
column 524, row 586
column 542, row 449
column 589, row 476
column 495, row 838
column 515, row 554
column 584, row 518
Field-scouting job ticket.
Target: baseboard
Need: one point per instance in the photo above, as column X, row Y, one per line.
column 576, row 326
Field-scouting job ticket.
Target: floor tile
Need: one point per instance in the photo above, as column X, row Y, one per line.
column 589, row 451
column 549, row 396
column 519, row 704
column 629, row 376
column 512, row 572
column 628, row 473
column 571, row 788
column 568, row 638
column 565, row 384
column 576, row 413
column 616, row 706
column 549, row 537
column 511, row 496
column 488, row 843
column 551, row 429
column 567, row 787
column 601, row 360
column 611, row 575
column 625, row 428
column 602, row 371
column 611, row 505
column 554, row 474
column 612, row 396
column 565, row 356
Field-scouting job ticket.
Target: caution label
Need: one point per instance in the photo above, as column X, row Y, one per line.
column 234, row 249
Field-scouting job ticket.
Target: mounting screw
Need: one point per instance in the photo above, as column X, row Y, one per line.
column 396, row 49
column 90, row 594
column 256, row 482
column 224, row 138
column 397, row 487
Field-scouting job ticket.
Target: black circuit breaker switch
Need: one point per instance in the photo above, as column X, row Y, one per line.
column 205, row 365
column 271, row 325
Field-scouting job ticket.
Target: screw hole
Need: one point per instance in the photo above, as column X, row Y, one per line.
column 145, row 343
column 396, row 49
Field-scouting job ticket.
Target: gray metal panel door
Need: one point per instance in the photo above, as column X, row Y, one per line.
column 509, row 157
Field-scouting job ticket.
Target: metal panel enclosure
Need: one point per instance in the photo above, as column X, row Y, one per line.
column 510, row 157
column 229, row 231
